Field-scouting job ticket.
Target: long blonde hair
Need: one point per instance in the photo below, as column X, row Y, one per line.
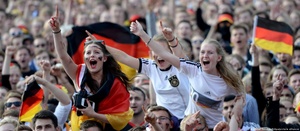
column 229, row 75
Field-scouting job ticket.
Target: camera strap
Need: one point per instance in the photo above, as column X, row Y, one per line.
column 103, row 91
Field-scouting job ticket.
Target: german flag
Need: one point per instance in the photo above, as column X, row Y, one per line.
column 113, row 35
column 31, row 101
column 272, row 35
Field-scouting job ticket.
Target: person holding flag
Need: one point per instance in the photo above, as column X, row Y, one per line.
column 101, row 87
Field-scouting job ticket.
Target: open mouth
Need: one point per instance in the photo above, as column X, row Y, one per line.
column 206, row 62
column 160, row 61
column 23, row 61
column 239, row 42
column 283, row 61
column 93, row 63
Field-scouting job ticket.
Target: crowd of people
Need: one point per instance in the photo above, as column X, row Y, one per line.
column 204, row 71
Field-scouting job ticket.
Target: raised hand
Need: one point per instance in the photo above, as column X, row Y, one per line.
column 277, row 87
column 253, row 49
column 193, row 121
column 221, row 126
column 56, row 70
column 33, row 78
column 45, row 65
column 88, row 111
column 136, row 28
column 90, row 36
column 238, row 108
column 167, row 32
column 10, row 50
column 54, row 22
column 149, row 117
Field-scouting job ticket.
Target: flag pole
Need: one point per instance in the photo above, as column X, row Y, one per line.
column 253, row 38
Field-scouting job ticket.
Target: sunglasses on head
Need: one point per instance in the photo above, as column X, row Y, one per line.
column 94, row 41
column 197, row 41
column 17, row 104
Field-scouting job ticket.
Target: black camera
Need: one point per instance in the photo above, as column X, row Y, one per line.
column 80, row 100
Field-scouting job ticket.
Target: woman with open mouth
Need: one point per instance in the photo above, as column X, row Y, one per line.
column 101, row 87
column 211, row 79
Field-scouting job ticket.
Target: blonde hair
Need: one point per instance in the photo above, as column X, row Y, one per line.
column 229, row 75
column 9, row 121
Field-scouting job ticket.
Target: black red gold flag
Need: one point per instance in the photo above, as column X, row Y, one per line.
column 114, row 35
column 31, row 101
column 273, row 35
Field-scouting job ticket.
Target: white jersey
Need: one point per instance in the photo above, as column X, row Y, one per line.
column 171, row 87
column 207, row 92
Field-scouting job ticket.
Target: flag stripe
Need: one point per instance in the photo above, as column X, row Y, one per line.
column 28, row 115
column 263, row 33
column 274, row 25
column 274, row 46
column 30, row 102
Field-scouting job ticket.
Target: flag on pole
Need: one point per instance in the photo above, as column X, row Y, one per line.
column 31, row 101
column 273, row 35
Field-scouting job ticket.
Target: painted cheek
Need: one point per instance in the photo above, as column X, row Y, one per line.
column 100, row 58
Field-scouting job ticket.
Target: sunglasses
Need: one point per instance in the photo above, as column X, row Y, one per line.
column 16, row 34
column 17, row 104
column 94, row 41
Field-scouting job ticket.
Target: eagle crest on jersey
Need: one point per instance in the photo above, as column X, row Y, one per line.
column 174, row 81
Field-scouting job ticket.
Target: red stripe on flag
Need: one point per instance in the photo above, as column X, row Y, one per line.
column 270, row 35
column 31, row 102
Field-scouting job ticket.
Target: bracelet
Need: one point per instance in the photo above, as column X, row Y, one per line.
column 56, row 32
column 149, row 41
column 174, row 45
column 172, row 39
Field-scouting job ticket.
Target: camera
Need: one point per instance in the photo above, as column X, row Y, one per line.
column 80, row 100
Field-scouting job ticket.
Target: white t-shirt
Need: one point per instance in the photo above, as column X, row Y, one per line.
column 62, row 112
column 207, row 92
column 174, row 98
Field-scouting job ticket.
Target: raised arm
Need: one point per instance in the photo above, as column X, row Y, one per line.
column 60, row 47
column 119, row 55
column 56, row 70
column 173, row 41
column 9, row 51
column 46, row 75
column 257, row 91
column 137, row 29
column 59, row 94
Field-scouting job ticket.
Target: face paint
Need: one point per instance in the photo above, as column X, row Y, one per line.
column 100, row 58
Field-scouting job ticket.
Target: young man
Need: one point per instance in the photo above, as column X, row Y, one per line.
column 294, row 79
column 228, row 108
column 163, row 118
column 45, row 120
column 239, row 39
column 137, row 101
column 90, row 125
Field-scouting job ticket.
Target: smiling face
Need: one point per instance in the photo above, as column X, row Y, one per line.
column 209, row 58
column 94, row 58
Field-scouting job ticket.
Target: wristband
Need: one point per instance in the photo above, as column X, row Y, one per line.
column 56, row 32
column 174, row 45
column 172, row 39
column 149, row 41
